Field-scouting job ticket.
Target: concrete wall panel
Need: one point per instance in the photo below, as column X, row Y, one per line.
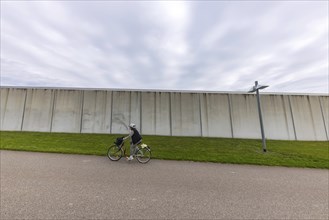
column 3, row 104
column 38, row 110
column 96, row 113
column 317, row 118
column 308, row 118
column 148, row 113
column 67, row 111
column 120, row 112
column 14, row 110
column 277, row 119
column 215, row 115
column 135, row 109
column 245, row 119
column 185, row 114
column 324, row 101
column 162, row 113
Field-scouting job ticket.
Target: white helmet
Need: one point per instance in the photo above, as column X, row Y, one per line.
column 132, row 125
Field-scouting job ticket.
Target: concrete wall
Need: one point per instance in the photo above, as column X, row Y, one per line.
column 120, row 112
column 245, row 120
column 13, row 109
column 185, row 114
column 38, row 110
column 162, row 113
column 278, row 121
column 324, row 102
column 67, row 111
column 308, row 118
column 3, row 105
column 286, row 117
column 215, row 115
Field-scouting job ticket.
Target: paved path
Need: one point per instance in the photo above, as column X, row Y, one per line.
column 57, row 186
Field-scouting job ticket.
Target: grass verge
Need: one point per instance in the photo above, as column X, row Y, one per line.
column 312, row 154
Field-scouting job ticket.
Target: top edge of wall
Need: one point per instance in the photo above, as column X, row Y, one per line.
column 159, row 90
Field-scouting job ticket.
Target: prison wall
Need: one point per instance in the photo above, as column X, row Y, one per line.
column 176, row 113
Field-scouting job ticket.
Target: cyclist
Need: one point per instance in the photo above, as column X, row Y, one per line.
column 135, row 139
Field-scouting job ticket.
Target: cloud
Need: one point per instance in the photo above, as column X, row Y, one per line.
column 223, row 46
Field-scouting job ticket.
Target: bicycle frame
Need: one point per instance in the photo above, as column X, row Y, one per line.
column 137, row 147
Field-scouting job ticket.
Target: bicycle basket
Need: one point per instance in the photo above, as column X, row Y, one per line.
column 146, row 146
column 118, row 141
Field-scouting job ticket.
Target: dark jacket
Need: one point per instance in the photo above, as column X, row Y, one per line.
column 136, row 136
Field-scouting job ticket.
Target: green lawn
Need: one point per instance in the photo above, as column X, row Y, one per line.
column 222, row 150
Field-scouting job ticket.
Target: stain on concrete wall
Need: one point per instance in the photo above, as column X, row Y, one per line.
column 120, row 112
column 96, row 112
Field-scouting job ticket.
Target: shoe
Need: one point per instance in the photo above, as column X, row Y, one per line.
column 130, row 158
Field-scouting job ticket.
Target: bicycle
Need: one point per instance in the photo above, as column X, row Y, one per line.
column 118, row 150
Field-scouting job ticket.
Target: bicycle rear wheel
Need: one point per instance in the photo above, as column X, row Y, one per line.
column 143, row 155
column 114, row 153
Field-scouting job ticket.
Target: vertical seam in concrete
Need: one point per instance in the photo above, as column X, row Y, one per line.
column 170, row 113
column 312, row 118
column 323, row 118
column 111, row 112
column 129, row 108
column 52, row 108
column 292, row 117
column 230, row 113
column 52, row 111
column 140, row 110
column 181, row 114
column 154, row 124
column 82, row 105
column 285, row 113
column 155, row 112
column 95, row 112
column 201, row 130
column 207, row 111
column 205, row 96
column 24, row 110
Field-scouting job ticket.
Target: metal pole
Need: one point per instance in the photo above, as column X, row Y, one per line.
column 260, row 118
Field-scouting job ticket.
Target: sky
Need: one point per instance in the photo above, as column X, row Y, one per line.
column 166, row 45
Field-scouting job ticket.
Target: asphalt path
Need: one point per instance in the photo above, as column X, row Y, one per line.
column 59, row 186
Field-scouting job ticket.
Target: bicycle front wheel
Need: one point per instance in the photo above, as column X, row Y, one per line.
column 143, row 155
column 114, row 153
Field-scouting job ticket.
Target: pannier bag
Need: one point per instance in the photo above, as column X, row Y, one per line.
column 119, row 141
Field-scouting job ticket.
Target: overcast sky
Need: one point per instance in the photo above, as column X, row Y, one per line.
column 187, row 45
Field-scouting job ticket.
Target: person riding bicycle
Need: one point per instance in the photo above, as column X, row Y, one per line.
column 136, row 139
